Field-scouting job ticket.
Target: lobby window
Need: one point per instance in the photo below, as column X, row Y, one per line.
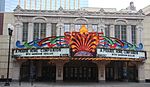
column 25, row 32
column 67, row 27
column 133, row 33
column 107, row 30
column 54, row 28
column 95, row 27
column 121, row 32
column 39, row 31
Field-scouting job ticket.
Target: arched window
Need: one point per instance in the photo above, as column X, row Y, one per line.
column 39, row 28
column 121, row 29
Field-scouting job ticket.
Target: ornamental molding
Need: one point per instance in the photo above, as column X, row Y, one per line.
column 39, row 19
column 81, row 21
column 121, row 21
column 78, row 13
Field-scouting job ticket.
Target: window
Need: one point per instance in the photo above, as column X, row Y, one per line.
column 123, row 32
column 94, row 27
column 133, row 31
column 67, row 27
column 120, row 32
column 54, row 28
column 39, row 31
column 78, row 27
column 25, row 32
column 117, row 31
column 43, row 30
column 107, row 30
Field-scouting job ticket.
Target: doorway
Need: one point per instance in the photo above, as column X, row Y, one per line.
column 82, row 71
column 30, row 70
column 121, row 71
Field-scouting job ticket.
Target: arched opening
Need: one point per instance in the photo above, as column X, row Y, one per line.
column 121, row 71
column 38, row 71
column 85, row 71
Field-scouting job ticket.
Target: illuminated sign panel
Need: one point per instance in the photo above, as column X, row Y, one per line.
column 117, row 53
column 82, row 44
column 41, row 52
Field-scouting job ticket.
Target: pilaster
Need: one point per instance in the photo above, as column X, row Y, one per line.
column 48, row 29
column 112, row 30
column 141, row 73
column 129, row 34
column 30, row 31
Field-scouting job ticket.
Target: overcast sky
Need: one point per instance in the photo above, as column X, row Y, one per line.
column 119, row 4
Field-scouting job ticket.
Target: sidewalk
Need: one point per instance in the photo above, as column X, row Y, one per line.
column 82, row 84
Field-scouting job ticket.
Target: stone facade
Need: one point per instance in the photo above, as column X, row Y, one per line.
column 146, row 41
column 8, row 19
column 101, row 17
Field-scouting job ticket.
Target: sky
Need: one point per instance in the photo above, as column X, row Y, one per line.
column 118, row 4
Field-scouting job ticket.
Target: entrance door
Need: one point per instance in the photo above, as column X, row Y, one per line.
column 32, row 71
column 121, row 71
column 132, row 73
column 48, row 72
column 24, row 71
column 109, row 73
column 80, row 71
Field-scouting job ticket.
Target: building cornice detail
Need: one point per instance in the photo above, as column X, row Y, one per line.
column 78, row 13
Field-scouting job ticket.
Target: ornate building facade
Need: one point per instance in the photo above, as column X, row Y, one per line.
column 78, row 45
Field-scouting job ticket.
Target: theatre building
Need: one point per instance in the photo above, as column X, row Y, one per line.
column 84, row 45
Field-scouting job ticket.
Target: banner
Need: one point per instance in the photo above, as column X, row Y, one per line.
column 41, row 52
column 118, row 53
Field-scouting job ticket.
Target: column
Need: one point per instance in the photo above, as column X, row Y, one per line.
column 48, row 29
column 25, row 2
column 50, row 4
column 125, row 71
column 72, row 27
column 112, row 29
column 101, row 27
column 74, row 4
column 62, row 30
column 19, row 27
column 90, row 29
column 30, row 32
column 19, row 2
column 78, row 4
column 139, row 33
column 141, row 73
column 55, row 4
column 59, row 71
column 65, row 4
column 69, row 4
column 59, row 28
column 15, row 72
column 30, row 4
column 101, row 73
column 129, row 37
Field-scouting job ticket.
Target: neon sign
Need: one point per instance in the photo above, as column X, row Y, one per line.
column 83, row 41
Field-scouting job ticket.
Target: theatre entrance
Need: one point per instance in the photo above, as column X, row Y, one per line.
column 82, row 71
column 121, row 71
column 38, row 71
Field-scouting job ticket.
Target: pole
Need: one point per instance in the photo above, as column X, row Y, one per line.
column 10, row 34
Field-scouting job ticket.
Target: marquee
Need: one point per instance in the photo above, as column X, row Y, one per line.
column 79, row 44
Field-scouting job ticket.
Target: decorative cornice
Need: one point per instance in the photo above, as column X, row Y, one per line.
column 78, row 13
